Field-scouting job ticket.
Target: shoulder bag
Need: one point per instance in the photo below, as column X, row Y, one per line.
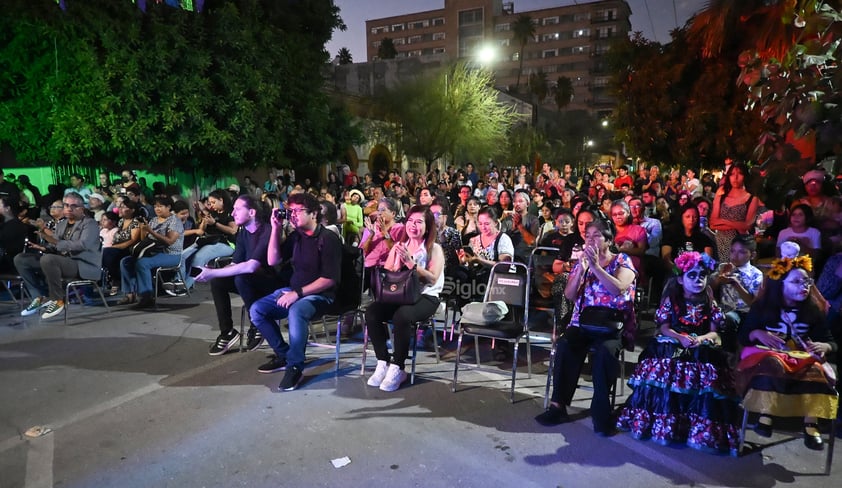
column 147, row 247
column 401, row 287
column 597, row 320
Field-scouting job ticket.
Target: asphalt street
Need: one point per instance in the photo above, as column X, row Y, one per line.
column 132, row 399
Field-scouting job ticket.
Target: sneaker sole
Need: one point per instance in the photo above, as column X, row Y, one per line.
column 27, row 312
column 266, row 371
column 256, row 346
column 226, row 348
column 294, row 386
column 53, row 314
column 397, row 387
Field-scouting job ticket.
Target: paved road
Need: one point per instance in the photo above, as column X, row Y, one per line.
column 133, row 400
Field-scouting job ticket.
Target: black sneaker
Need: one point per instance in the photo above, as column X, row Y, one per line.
column 553, row 416
column 291, row 379
column 274, row 365
column 253, row 338
column 224, row 343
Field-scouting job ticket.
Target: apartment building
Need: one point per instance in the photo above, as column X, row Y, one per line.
column 570, row 41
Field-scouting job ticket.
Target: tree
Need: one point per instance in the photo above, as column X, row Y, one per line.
column 345, row 56
column 674, row 106
column 563, row 92
column 387, row 49
column 103, row 82
column 797, row 96
column 522, row 31
column 454, row 113
column 538, row 86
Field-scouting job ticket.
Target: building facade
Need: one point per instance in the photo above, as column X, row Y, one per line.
column 570, row 41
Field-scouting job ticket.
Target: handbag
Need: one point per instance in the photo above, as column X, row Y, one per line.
column 396, row 287
column 147, row 247
column 601, row 321
column 207, row 239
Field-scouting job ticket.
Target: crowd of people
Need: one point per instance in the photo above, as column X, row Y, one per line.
column 700, row 240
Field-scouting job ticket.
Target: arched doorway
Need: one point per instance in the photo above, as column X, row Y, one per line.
column 379, row 158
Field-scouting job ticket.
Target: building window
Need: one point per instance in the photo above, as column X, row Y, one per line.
column 581, row 33
column 414, row 53
column 438, row 50
column 605, row 32
column 397, row 27
column 600, row 81
column 549, row 37
column 550, row 69
column 580, row 50
column 504, row 42
column 376, row 44
column 502, row 27
column 438, row 21
column 469, row 17
column 602, row 48
column 550, row 53
column 582, row 17
column 399, row 41
column 380, row 30
column 438, row 36
column 550, row 20
column 413, row 39
column 606, row 15
column 419, row 24
column 515, row 56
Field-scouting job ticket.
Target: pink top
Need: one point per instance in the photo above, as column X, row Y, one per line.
column 379, row 250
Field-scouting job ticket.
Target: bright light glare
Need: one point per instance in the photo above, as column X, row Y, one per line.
column 486, row 54
column 590, row 143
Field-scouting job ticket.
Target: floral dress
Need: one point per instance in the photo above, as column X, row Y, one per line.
column 684, row 395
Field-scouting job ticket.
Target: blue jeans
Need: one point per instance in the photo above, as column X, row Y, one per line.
column 137, row 273
column 265, row 314
column 200, row 256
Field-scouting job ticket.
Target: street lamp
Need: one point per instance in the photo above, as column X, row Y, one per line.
column 486, row 55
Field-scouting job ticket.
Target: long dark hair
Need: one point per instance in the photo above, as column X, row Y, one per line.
column 726, row 186
column 225, row 196
column 430, row 230
column 771, row 300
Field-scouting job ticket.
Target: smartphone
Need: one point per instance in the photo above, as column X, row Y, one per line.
column 194, row 272
column 468, row 250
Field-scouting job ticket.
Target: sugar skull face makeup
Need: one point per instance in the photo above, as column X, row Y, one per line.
column 695, row 279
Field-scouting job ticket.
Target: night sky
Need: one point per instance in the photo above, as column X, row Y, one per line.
column 660, row 13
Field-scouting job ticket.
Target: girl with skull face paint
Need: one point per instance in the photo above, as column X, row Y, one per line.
column 683, row 384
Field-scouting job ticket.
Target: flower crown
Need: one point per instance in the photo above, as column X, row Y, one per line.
column 690, row 260
column 780, row 267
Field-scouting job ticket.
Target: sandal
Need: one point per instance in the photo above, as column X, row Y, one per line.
column 128, row 299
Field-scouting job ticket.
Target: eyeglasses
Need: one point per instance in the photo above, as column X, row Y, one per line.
column 296, row 211
column 806, row 283
column 71, row 206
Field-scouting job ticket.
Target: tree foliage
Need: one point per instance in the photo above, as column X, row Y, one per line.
column 345, row 56
column 678, row 107
column 387, row 49
column 563, row 92
column 237, row 85
column 454, row 113
column 522, row 31
column 538, row 86
column 798, row 94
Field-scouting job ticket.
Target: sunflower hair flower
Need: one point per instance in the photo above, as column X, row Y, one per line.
column 780, row 267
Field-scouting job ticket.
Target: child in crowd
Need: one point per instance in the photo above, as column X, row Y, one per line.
column 736, row 284
column 785, row 338
column 683, row 384
column 107, row 228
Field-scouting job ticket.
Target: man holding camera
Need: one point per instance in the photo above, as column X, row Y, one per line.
column 248, row 275
column 316, row 255
column 73, row 250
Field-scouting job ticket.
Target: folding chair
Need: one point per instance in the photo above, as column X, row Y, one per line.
column 8, row 283
column 621, row 357
column 75, row 283
column 509, row 283
column 348, row 300
column 430, row 322
column 828, row 448
column 169, row 269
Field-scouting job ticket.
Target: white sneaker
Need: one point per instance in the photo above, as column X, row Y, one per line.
column 379, row 373
column 37, row 304
column 394, row 377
